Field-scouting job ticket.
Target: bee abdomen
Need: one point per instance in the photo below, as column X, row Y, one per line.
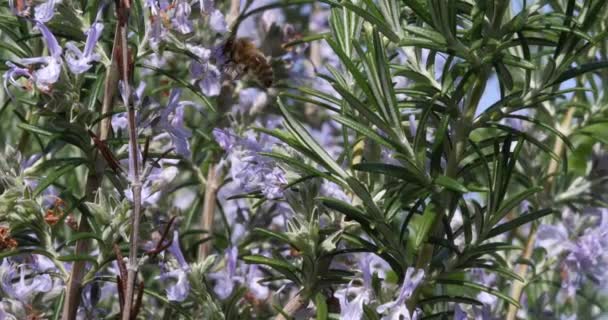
column 263, row 72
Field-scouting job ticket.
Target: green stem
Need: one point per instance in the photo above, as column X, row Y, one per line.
column 444, row 200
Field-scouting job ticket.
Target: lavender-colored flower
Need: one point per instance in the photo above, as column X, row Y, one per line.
column 22, row 290
column 179, row 290
column 270, row 17
column 172, row 120
column 225, row 138
column 330, row 189
column 45, row 11
column 157, row 29
column 475, row 312
column 210, row 85
column 206, row 6
column 45, row 76
column 353, row 308
column 249, row 169
column 397, row 308
column 120, row 120
column 217, row 22
column 226, row 278
column 413, row 125
column 180, row 19
column 327, row 138
column 158, row 179
column 459, row 314
column 274, row 180
column 207, row 75
column 553, row 238
column 13, row 73
column 80, row 61
column 251, row 100
column 176, row 251
column 252, row 281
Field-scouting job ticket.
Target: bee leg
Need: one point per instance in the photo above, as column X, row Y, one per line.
column 240, row 71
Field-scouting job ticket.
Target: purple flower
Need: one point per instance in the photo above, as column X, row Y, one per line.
column 251, row 100
column 210, row 85
column 158, row 179
column 330, row 189
column 49, row 39
column 352, row 309
column 225, row 138
column 217, row 22
column 207, row 75
column 254, row 275
column 23, row 290
column 249, row 169
column 179, row 290
column 226, row 278
column 270, row 17
column 158, row 31
column 397, row 308
column 459, row 314
column 176, row 251
column 206, row 6
column 478, row 313
column 585, row 255
column 13, row 73
column 45, row 76
column 413, row 126
column 79, row 61
column 180, row 19
column 554, row 238
column 45, row 11
column 172, row 120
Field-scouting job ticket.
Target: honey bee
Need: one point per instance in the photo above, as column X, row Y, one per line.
column 243, row 55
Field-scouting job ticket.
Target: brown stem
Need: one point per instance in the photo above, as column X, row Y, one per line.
column 518, row 287
column 208, row 214
column 73, row 287
column 133, row 172
column 294, row 305
column 235, row 10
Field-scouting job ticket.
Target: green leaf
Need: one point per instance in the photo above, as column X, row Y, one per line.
column 422, row 225
column 373, row 20
column 390, row 171
column 577, row 71
column 321, row 306
column 348, row 210
column 596, row 130
column 79, row 257
column 510, row 203
column 505, row 272
column 35, row 129
column 450, row 184
column 182, row 82
column 455, row 299
column 281, row 266
column 83, row 235
column 306, row 139
column 271, row 234
column 467, row 284
column 487, row 248
column 521, row 220
column 364, row 130
column 52, row 177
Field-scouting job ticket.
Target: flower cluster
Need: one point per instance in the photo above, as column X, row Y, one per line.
column 391, row 160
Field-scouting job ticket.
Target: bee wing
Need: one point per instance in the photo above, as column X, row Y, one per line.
column 233, row 70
